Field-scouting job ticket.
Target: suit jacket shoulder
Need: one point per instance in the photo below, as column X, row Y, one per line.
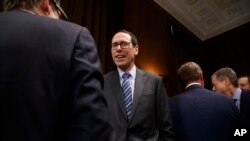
column 148, row 74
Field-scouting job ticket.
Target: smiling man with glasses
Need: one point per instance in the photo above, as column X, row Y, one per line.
column 138, row 103
column 50, row 76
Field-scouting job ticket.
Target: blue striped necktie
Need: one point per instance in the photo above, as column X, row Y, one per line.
column 127, row 93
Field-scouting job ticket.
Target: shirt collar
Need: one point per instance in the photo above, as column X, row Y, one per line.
column 25, row 10
column 237, row 94
column 194, row 83
column 132, row 71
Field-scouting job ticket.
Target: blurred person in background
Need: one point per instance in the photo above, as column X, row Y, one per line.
column 225, row 81
column 244, row 82
column 198, row 113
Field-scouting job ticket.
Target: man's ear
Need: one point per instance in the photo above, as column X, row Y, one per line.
column 227, row 81
column 136, row 49
column 202, row 79
column 45, row 7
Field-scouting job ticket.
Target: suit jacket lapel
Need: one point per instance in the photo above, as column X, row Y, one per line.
column 117, row 91
column 138, row 91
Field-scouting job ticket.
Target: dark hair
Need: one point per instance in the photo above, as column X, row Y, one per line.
column 246, row 76
column 189, row 71
column 29, row 4
column 222, row 73
column 14, row 4
column 134, row 40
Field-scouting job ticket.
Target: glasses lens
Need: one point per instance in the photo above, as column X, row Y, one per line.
column 57, row 4
column 122, row 45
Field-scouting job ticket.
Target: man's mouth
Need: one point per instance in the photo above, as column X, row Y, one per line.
column 120, row 56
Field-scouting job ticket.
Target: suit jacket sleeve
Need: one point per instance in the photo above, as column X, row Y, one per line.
column 163, row 114
column 88, row 112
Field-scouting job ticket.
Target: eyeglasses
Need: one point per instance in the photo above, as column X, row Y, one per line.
column 123, row 45
column 60, row 10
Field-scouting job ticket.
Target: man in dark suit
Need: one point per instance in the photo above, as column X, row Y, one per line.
column 144, row 114
column 225, row 81
column 200, row 114
column 50, row 77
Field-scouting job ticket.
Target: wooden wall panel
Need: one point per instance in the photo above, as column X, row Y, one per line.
column 162, row 50
column 152, row 27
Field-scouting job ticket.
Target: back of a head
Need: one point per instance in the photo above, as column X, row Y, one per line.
column 229, row 73
column 17, row 4
column 189, row 72
column 49, row 8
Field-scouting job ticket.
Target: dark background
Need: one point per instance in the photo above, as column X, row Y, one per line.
column 161, row 51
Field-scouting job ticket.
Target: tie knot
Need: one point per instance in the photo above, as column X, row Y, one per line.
column 126, row 75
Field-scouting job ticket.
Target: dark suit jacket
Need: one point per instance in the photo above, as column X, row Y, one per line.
column 244, row 116
column 245, row 109
column 50, row 81
column 202, row 115
column 151, row 119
